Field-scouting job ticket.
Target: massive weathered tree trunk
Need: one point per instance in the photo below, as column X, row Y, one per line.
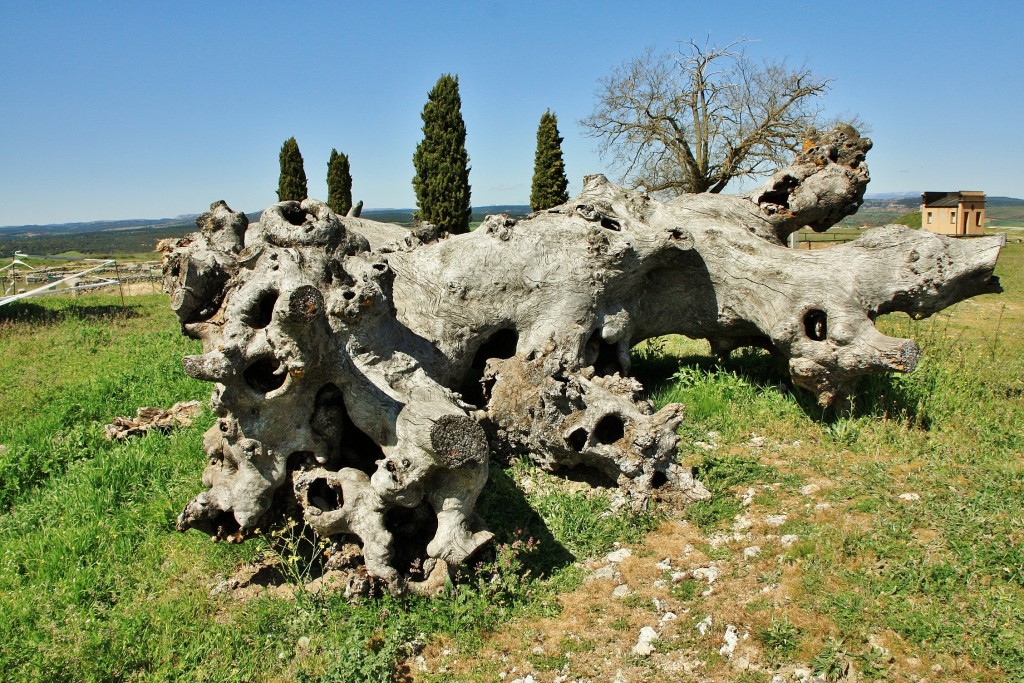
column 367, row 371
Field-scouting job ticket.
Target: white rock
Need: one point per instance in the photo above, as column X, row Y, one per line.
column 660, row 583
column 775, row 520
column 704, row 445
column 703, row 626
column 709, row 574
column 659, row 605
column 645, row 643
column 679, row 576
column 801, row 675
column 822, row 506
column 667, row 617
column 910, row 496
column 605, row 572
column 731, row 640
column 748, row 497
column 757, row 441
column 713, row 436
column 741, row 523
column 809, row 490
column 788, row 540
column 752, row 552
column 665, row 564
column 618, row 555
column 621, row 591
column 303, row 643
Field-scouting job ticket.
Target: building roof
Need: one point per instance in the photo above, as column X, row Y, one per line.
column 950, row 199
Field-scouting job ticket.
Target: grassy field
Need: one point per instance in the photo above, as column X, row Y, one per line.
column 883, row 545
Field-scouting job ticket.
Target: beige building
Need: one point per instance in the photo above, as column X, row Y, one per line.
column 953, row 213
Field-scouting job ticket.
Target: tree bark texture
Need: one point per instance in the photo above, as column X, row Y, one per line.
column 364, row 372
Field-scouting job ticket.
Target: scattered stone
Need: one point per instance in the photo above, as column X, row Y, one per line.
column 303, row 643
column 621, row 591
column 660, row 583
column 778, row 678
column 801, row 675
column 679, row 576
column 645, row 643
column 605, row 572
column 937, row 669
column 538, row 650
column 910, row 496
column 667, row 617
column 757, row 441
column 822, row 506
column 751, row 552
column 788, row 540
column 705, row 445
column 619, row 555
column 659, row 605
column 704, row 625
column 742, row 523
column 809, row 490
column 712, row 436
column 665, row 564
column 529, row 679
column 709, row 574
column 748, row 497
column 775, row 520
column 732, row 639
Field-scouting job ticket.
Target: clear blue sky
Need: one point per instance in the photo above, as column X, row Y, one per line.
column 146, row 109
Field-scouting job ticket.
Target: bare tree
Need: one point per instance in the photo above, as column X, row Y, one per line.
column 693, row 121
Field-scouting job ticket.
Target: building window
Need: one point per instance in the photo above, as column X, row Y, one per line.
column 952, row 217
column 929, row 218
column 977, row 219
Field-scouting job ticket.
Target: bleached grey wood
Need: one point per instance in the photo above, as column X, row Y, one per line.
column 365, row 371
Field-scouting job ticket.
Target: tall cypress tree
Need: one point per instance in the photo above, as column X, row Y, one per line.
column 292, row 183
column 339, row 183
column 441, row 160
column 550, row 186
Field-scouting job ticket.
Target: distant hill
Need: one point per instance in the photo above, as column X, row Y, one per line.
column 404, row 216
column 140, row 235
column 885, row 209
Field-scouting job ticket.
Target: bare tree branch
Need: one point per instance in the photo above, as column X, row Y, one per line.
column 694, row 121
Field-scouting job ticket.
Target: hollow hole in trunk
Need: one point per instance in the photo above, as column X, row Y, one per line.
column 263, row 375
column 577, row 439
column 345, row 441
column 602, row 355
column 609, row 429
column 610, row 224
column 324, row 496
column 293, row 214
column 301, row 460
column 263, row 311
column 413, row 529
column 502, row 344
column 816, row 325
column 658, row 479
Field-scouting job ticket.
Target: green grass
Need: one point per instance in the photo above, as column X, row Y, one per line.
column 95, row 585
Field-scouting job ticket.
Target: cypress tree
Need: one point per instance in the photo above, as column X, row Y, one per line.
column 339, row 183
column 550, row 186
column 292, row 184
column 441, row 160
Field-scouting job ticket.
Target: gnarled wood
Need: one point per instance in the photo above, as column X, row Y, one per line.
column 366, row 371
